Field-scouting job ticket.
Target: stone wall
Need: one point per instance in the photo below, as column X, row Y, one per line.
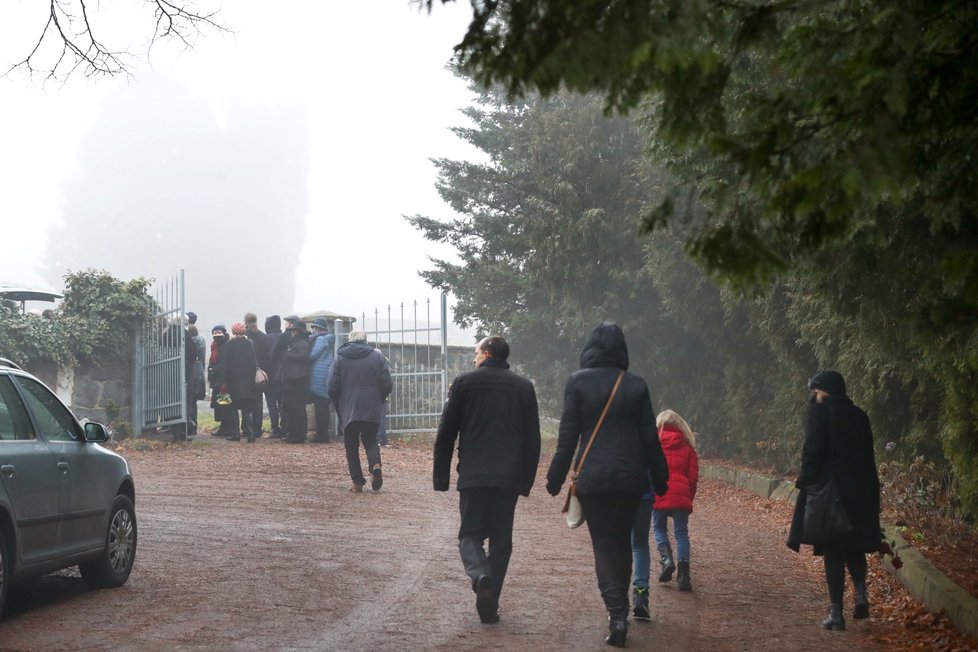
column 92, row 390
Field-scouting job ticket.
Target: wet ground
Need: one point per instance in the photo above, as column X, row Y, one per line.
column 262, row 547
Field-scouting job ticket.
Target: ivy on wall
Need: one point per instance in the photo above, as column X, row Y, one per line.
column 94, row 323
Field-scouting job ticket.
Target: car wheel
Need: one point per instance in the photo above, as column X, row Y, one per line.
column 113, row 566
column 4, row 571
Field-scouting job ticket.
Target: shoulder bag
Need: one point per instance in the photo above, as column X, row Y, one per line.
column 261, row 378
column 825, row 518
column 572, row 506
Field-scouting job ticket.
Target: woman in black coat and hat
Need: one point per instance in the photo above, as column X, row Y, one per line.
column 839, row 445
column 624, row 460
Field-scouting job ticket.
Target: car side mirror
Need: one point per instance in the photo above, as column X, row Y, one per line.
column 96, row 432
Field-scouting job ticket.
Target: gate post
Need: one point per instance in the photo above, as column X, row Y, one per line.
column 136, row 409
column 444, row 347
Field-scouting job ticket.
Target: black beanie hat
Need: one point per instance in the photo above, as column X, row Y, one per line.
column 828, row 381
column 273, row 323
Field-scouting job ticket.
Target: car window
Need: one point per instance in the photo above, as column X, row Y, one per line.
column 14, row 422
column 53, row 418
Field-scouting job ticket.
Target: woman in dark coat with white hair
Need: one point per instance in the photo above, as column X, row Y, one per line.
column 624, row 461
column 839, row 444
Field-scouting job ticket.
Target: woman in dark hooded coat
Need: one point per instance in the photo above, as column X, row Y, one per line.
column 623, row 462
column 839, row 444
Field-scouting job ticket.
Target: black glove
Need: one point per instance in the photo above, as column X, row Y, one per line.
column 440, row 485
column 553, row 488
column 661, row 488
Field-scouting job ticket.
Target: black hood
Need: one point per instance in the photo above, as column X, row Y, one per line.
column 828, row 381
column 355, row 350
column 605, row 347
column 273, row 324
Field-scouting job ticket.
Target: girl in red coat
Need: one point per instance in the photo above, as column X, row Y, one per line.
column 678, row 443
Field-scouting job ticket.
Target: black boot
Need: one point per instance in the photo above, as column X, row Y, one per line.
column 668, row 565
column 861, row 609
column 617, row 631
column 640, row 603
column 834, row 620
column 683, row 577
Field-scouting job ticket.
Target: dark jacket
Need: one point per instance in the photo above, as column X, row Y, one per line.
column 275, row 340
column 626, row 456
column 839, row 442
column 359, row 383
column 293, row 368
column 493, row 414
column 262, row 349
column 196, row 385
column 236, row 369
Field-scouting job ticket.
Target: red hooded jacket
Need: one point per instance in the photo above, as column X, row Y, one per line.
column 684, row 470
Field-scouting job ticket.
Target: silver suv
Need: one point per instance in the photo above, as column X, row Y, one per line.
column 64, row 499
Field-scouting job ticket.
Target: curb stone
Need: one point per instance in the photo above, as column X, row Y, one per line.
column 929, row 585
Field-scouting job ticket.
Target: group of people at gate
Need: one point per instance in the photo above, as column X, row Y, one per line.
column 300, row 365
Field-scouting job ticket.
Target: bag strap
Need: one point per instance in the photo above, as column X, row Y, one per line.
column 604, row 412
column 254, row 354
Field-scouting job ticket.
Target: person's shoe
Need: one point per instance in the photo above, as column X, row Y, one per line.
column 251, row 440
column 378, row 478
column 640, row 603
column 861, row 610
column 834, row 621
column 668, row 566
column 233, row 438
column 356, row 489
column 682, row 578
column 617, row 631
column 276, row 434
column 485, row 600
column 294, row 440
column 491, row 620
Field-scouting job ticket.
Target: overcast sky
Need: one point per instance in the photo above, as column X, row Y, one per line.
column 378, row 101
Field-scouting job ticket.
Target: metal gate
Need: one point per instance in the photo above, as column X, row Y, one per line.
column 416, row 349
column 159, row 393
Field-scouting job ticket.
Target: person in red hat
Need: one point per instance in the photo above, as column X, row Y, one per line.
column 236, row 371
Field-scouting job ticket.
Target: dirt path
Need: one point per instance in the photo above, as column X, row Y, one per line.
column 261, row 547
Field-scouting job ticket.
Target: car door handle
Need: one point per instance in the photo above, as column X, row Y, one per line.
column 62, row 466
column 7, row 470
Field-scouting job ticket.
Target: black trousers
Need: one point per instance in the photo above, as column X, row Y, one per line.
column 251, row 416
column 294, row 414
column 609, row 519
column 354, row 433
column 487, row 513
column 274, row 400
column 324, row 417
column 836, row 562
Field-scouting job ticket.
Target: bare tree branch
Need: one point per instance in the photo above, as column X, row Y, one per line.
column 68, row 44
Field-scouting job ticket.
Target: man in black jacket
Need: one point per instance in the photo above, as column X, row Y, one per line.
column 493, row 413
column 273, row 392
column 293, row 375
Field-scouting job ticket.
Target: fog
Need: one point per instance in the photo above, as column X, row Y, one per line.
column 165, row 187
column 272, row 164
